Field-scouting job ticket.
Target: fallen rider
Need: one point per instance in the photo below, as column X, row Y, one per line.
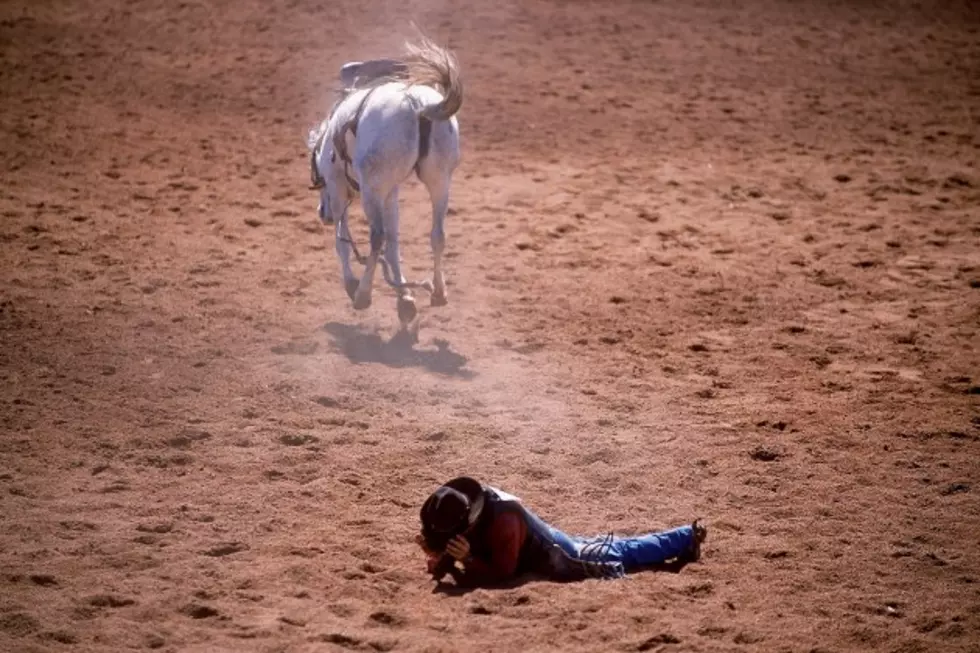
column 495, row 538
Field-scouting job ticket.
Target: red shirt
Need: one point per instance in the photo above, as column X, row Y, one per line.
column 505, row 537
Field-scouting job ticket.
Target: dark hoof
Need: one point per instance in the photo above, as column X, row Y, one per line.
column 362, row 302
column 351, row 287
column 407, row 310
column 438, row 300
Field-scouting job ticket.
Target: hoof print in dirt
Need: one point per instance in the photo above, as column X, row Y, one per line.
column 44, row 580
column 339, row 639
column 110, row 601
column 226, row 548
column 955, row 488
column 154, row 642
column 296, row 348
column 765, row 454
column 386, row 618
column 188, row 437
column 199, row 611
column 656, row 642
column 59, row 636
column 293, row 620
column 297, row 439
column 18, row 624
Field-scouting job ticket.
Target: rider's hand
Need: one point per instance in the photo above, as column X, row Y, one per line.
column 459, row 548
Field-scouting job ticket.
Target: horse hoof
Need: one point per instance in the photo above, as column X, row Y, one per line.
column 438, row 299
column 351, row 287
column 407, row 310
column 362, row 302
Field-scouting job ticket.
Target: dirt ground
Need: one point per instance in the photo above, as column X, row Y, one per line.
column 716, row 260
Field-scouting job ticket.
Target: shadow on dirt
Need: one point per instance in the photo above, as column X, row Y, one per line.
column 362, row 346
column 450, row 589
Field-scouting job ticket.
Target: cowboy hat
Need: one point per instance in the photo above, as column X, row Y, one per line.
column 452, row 509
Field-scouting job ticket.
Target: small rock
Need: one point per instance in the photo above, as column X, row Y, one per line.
column 892, row 610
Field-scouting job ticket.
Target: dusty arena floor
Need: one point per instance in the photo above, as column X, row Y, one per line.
column 716, row 260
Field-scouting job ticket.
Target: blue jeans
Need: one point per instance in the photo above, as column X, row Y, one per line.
column 632, row 552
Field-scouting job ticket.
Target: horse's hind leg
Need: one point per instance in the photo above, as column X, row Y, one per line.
column 438, row 184
column 343, row 240
column 374, row 208
column 407, row 310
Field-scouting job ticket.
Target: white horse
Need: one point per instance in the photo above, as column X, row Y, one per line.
column 394, row 117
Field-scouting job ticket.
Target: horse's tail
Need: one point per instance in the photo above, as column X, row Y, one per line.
column 433, row 65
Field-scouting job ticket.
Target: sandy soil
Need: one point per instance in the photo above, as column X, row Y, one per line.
column 706, row 259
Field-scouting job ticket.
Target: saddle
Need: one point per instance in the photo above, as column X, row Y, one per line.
column 354, row 76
